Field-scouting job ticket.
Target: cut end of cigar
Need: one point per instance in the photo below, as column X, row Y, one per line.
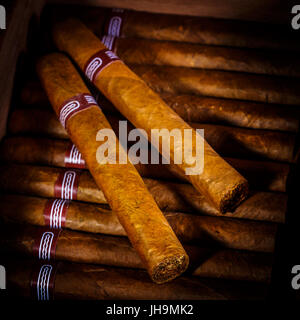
column 234, row 197
column 170, row 268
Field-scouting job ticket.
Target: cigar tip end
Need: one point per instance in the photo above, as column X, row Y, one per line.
column 234, row 197
column 170, row 268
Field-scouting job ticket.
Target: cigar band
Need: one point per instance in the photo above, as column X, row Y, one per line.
column 44, row 246
column 115, row 22
column 74, row 105
column 98, row 62
column 42, row 281
column 109, row 42
column 55, row 213
column 73, row 158
column 66, row 185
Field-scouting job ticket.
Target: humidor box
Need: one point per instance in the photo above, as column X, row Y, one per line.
column 269, row 239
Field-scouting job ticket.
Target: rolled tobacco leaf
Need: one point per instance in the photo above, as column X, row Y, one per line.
column 116, row 251
column 222, row 185
column 124, row 189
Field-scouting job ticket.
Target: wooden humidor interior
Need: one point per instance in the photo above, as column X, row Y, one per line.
column 21, row 14
column 24, row 16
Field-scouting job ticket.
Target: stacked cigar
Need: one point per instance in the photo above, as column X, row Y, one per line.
column 94, row 226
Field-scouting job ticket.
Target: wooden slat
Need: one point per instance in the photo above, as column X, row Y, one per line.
column 12, row 43
column 276, row 11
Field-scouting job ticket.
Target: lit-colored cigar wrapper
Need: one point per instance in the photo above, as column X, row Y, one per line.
column 262, row 175
column 181, row 197
column 220, row 84
column 219, row 182
column 116, row 251
column 125, row 191
column 89, row 281
column 188, row 29
column 203, row 109
column 227, row 141
column 241, row 234
column 181, row 28
column 181, row 54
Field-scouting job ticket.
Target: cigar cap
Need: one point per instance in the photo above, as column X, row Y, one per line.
column 169, row 268
column 234, row 197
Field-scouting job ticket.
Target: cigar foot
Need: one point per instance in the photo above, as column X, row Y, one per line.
column 170, row 268
column 234, row 197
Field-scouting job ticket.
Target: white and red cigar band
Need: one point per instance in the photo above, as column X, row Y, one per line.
column 66, row 185
column 74, row 105
column 42, row 281
column 55, row 213
column 98, row 62
column 44, row 246
column 115, row 22
column 73, row 158
column 109, row 42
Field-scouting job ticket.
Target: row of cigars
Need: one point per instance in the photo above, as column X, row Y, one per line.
column 228, row 141
column 201, row 109
column 170, row 195
column 218, row 247
column 93, row 282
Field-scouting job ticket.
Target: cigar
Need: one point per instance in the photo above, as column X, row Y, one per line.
column 220, row 84
column 222, row 185
column 121, row 185
column 90, row 282
column 242, row 142
column 97, row 218
column 190, row 228
column 204, row 30
column 227, row 232
column 55, row 213
column 116, row 251
column 237, row 113
column 180, row 54
column 181, row 28
column 199, row 109
column 248, row 143
column 262, row 175
column 62, row 153
column 228, row 141
column 46, row 182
